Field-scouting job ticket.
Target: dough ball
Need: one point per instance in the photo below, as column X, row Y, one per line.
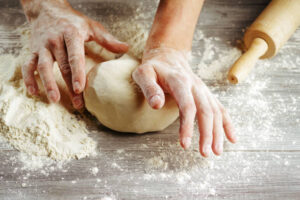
column 113, row 97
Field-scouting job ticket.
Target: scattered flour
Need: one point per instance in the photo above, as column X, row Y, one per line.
column 108, row 198
column 171, row 164
column 254, row 113
column 31, row 162
column 116, row 166
column 94, row 170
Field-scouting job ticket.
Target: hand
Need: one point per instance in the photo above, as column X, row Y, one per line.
column 165, row 70
column 58, row 34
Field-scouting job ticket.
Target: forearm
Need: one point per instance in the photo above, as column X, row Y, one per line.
column 32, row 8
column 174, row 24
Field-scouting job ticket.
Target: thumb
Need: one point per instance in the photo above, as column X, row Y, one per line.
column 108, row 41
column 145, row 77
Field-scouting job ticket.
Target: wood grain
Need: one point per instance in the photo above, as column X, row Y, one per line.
column 255, row 168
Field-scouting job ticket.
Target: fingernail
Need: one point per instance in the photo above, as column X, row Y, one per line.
column 76, row 86
column 77, row 102
column 186, row 142
column 52, row 96
column 206, row 150
column 112, row 38
column 31, row 90
column 124, row 43
column 155, row 101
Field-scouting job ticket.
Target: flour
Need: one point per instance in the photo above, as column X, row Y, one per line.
column 33, row 126
column 107, row 198
column 31, row 162
column 47, row 133
column 40, row 129
column 253, row 115
column 94, row 170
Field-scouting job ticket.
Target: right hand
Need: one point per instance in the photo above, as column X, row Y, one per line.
column 166, row 70
column 58, row 34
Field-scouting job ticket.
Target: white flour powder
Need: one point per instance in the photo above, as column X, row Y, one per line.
column 43, row 130
column 32, row 125
column 40, row 129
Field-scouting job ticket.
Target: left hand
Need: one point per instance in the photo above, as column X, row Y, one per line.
column 166, row 70
column 58, row 34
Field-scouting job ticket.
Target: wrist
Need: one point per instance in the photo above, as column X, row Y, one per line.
column 167, row 53
column 160, row 42
column 166, row 32
column 174, row 24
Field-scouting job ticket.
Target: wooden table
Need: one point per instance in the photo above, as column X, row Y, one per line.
column 265, row 164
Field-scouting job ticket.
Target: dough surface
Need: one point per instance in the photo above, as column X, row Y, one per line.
column 113, row 97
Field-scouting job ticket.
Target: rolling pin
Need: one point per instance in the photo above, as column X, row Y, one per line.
column 263, row 39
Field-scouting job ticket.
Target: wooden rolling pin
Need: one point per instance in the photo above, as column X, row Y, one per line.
column 271, row 29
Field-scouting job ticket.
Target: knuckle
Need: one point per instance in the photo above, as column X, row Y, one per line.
column 181, row 78
column 201, row 86
column 62, row 22
column 140, row 71
column 27, row 80
column 42, row 67
column 188, row 107
column 30, row 63
column 54, row 42
column 205, row 112
column 140, row 75
column 49, row 85
column 222, row 109
column 49, row 88
column 75, row 60
column 149, row 88
column 70, row 32
column 70, row 29
column 216, row 111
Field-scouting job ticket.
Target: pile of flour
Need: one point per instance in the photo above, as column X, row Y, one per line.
column 34, row 126
column 42, row 130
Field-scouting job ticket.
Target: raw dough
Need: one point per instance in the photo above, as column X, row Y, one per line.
column 117, row 102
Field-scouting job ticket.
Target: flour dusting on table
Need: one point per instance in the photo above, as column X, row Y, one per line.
column 255, row 119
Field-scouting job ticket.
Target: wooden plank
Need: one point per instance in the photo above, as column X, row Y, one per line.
column 255, row 176
column 263, row 165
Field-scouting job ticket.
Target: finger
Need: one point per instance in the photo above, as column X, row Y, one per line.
column 105, row 39
column 218, row 138
column 60, row 55
column 75, row 50
column 205, row 120
column 145, row 77
column 227, row 124
column 44, row 68
column 184, row 99
column 28, row 70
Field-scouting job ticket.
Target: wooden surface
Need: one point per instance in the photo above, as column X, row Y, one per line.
column 265, row 164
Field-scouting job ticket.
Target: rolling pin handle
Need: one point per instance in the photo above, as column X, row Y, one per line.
column 246, row 62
